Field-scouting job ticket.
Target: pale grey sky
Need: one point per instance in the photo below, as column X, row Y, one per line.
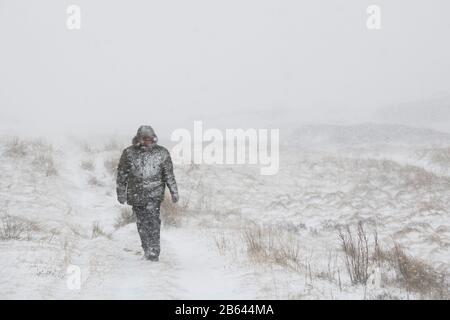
column 230, row 62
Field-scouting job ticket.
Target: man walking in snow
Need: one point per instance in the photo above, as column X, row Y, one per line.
column 145, row 168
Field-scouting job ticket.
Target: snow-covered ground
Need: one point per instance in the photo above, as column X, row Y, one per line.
column 235, row 234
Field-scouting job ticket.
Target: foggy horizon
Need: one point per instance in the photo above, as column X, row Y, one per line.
column 229, row 64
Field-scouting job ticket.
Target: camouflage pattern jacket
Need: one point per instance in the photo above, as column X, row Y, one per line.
column 143, row 174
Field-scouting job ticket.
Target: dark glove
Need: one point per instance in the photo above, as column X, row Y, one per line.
column 122, row 199
column 175, row 197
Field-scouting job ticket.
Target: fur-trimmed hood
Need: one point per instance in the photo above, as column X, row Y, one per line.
column 144, row 131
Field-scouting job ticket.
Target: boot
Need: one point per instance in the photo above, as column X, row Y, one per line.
column 150, row 256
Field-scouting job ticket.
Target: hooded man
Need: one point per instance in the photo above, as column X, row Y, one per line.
column 145, row 168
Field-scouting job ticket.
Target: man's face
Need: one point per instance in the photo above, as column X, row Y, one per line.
column 147, row 141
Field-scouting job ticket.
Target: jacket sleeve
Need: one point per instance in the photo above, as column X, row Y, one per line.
column 168, row 175
column 122, row 176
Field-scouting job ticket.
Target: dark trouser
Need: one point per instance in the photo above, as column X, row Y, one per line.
column 149, row 225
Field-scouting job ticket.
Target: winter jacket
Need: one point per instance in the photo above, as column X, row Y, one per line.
column 143, row 172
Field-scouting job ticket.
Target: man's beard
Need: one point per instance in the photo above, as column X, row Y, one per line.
column 146, row 148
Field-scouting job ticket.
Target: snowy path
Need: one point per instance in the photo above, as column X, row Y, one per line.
column 114, row 269
column 201, row 272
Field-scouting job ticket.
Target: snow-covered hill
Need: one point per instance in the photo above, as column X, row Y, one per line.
column 366, row 135
column 235, row 234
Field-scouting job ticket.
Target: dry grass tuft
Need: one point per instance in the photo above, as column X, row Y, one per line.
column 15, row 228
column 222, row 243
column 126, row 217
column 46, row 164
column 40, row 153
column 416, row 275
column 97, row 231
column 16, row 147
column 410, row 273
column 87, row 164
column 267, row 245
column 171, row 213
column 356, row 252
column 94, row 181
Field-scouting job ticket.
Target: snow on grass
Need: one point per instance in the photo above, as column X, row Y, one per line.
column 235, row 234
